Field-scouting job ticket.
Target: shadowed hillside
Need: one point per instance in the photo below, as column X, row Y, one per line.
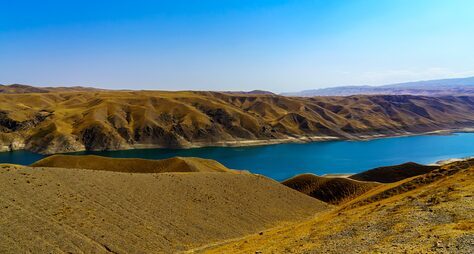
column 395, row 173
column 337, row 190
column 84, row 211
column 177, row 164
column 328, row 189
column 56, row 122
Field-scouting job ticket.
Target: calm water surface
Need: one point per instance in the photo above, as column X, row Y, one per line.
column 285, row 160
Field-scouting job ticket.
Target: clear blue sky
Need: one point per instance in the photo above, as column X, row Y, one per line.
column 234, row 45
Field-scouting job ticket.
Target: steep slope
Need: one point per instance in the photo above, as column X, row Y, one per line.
column 85, row 211
column 390, row 174
column 57, row 122
column 328, row 189
column 431, row 213
column 176, row 164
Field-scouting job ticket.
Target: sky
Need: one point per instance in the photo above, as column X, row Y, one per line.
column 274, row 45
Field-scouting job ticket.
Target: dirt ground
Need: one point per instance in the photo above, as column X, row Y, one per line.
column 57, row 210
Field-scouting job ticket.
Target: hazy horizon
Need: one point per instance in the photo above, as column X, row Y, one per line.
column 230, row 90
column 279, row 46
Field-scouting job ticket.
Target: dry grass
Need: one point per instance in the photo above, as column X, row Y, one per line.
column 332, row 190
column 176, row 164
column 89, row 211
column 66, row 121
column 434, row 215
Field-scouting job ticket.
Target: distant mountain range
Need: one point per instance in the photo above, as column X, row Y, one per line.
column 19, row 88
column 440, row 87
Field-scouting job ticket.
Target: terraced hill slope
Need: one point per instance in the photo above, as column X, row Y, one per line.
column 133, row 165
column 54, row 122
column 88, row 211
column 430, row 213
column 332, row 190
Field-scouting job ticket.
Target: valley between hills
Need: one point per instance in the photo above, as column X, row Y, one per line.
column 237, row 127
column 93, row 204
column 60, row 120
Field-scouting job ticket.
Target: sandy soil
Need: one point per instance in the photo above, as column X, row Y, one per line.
column 133, row 165
column 86, row 211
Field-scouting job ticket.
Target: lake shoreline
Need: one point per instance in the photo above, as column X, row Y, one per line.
column 290, row 140
column 283, row 161
column 263, row 142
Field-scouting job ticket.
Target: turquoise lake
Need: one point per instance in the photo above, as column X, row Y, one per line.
column 285, row 160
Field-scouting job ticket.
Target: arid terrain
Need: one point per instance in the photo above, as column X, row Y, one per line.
column 332, row 190
column 175, row 164
column 92, row 204
column 59, row 120
column 390, row 174
column 95, row 211
column 212, row 209
column 228, row 127
column 430, row 213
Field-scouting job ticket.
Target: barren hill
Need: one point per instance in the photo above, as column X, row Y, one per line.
column 18, row 88
column 56, row 122
column 328, row 189
column 430, row 213
column 390, row 174
column 22, row 89
column 88, row 211
column 176, row 164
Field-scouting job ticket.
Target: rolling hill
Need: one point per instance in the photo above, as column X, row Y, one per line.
column 57, row 122
column 22, row 89
column 195, row 209
column 176, row 164
column 429, row 213
column 390, row 174
column 338, row 190
column 95, row 211
column 332, row 190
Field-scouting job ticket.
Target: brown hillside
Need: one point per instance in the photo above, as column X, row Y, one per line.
column 21, row 89
column 328, row 189
column 176, row 164
column 65, row 121
column 84, row 211
column 431, row 213
column 17, row 88
column 395, row 173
